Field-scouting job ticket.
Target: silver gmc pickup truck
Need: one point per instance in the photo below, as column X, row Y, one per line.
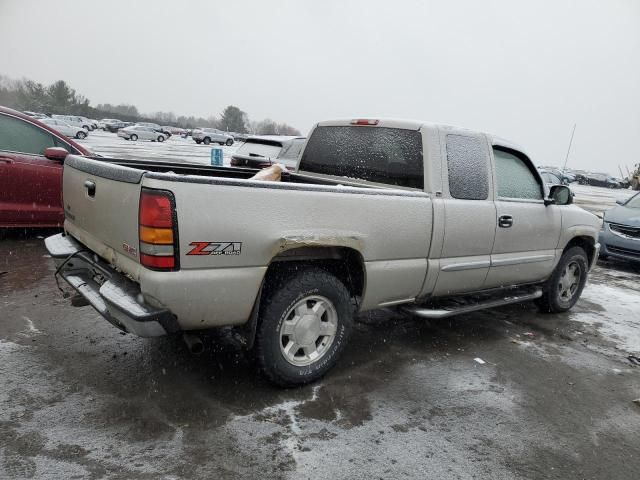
column 429, row 219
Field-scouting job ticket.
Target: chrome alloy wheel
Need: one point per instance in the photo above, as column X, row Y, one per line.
column 569, row 281
column 308, row 330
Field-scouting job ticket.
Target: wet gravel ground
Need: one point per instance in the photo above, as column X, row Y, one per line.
column 553, row 398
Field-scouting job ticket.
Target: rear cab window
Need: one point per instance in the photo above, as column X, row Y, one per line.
column 391, row 156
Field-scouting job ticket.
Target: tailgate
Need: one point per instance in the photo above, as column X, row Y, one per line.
column 101, row 202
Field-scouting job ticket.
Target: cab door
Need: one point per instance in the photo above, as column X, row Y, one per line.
column 528, row 231
column 469, row 213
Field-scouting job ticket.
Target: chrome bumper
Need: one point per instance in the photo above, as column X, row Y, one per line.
column 112, row 294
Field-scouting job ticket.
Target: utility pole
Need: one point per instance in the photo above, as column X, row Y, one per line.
column 569, row 149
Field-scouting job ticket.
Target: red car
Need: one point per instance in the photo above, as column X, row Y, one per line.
column 31, row 159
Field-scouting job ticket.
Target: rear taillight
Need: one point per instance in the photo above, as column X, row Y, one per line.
column 158, row 230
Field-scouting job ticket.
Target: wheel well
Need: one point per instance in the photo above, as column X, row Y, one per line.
column 586, row 243
column 345, row 263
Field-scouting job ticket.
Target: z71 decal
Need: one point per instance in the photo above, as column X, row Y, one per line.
column 215, row 248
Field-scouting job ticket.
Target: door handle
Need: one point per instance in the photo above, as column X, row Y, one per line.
column 91, row 187
column 6, row 160
column 505, row 221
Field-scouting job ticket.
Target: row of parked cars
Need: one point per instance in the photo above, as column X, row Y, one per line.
column 582, row 177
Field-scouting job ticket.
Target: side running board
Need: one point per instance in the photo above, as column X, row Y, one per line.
column 444, row 311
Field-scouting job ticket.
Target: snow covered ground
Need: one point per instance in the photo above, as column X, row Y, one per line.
column 173, row 149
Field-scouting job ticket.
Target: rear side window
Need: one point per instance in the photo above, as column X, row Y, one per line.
column 467, row 161
column 515, row 177
column 377, row 154
column 19, row 136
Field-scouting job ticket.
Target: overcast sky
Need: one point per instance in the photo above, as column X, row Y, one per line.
column 524, row 70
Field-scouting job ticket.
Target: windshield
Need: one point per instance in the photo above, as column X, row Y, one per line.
column 634, row 202
column 377, row 154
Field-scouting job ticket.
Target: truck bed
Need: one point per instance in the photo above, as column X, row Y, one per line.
column 195, row 170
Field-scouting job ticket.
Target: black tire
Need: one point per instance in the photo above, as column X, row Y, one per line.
column 553, row 299
column 229, row 142
column 81, row 135
column 133, row 137
column 198, row 142
column 281, row 295
column 160, row 138
column 206, row 140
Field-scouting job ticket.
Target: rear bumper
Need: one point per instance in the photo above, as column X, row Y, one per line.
column 112, row 294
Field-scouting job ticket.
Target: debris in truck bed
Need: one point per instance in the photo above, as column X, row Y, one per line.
column 270, row 174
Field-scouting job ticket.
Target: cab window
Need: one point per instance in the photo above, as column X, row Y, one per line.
column 467, row 159
column 515, row 177
column 19, row 136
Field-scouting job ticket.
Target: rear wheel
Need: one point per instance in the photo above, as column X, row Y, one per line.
column 229, row 142
column 564, row 287
column 304, row 325
column 206, row 140
column 160, row 138
column 81, row 135
column 134, row 137
column 198, row 142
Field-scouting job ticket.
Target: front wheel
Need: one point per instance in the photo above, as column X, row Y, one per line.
column 198, row 142
column 564, row 287
column 81, row 135
column 160, row 138
column 133, row 137
column 304, row 324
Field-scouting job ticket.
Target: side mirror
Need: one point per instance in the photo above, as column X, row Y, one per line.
column 55, row 153
column 559, row 195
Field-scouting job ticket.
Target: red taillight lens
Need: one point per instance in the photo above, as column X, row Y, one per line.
column 157, row 262
column 155, row 209
column 158, row 230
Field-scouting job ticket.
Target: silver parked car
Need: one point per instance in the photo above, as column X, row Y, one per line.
column 208, row 135
column 261, row 152
column 138, row 132
column 620, row 234
column 64, row 128
column 75, row 121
